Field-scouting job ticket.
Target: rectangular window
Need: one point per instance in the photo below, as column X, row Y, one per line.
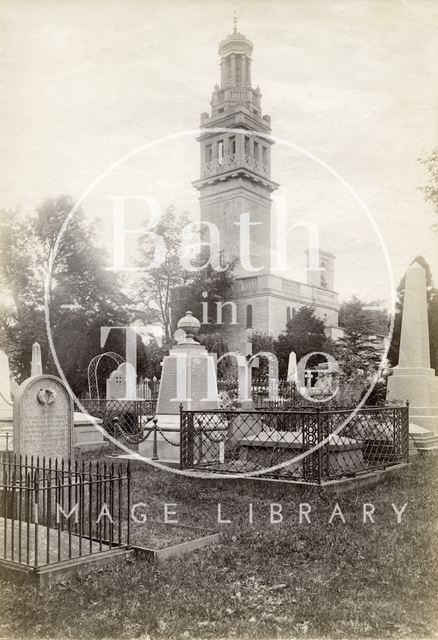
column 228, row 67
column 265, row 155
column 232, row 143
column 220, row 152
column 246, row 145
column 208, row 153
column 256, row 150
column 238, row 71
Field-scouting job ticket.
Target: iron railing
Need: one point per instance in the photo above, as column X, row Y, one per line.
column 148, row 389
column 52, row 512
column 131, row 414
column 268, row 393
column 6, row 441
column 330, row 443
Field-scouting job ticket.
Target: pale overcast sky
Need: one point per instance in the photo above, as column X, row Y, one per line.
column 354, row 83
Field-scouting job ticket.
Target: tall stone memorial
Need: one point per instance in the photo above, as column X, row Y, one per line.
column 413, row 378
column 43, row 418
column 188, row 378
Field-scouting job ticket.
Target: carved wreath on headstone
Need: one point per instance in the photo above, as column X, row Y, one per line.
column 46, row 396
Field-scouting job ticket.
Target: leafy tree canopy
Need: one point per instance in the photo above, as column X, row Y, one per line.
column 85, row 295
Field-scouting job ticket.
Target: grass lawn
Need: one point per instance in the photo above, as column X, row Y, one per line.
column 264, row 580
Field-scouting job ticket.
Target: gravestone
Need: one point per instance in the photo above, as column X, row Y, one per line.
column 43, row 418
column 121, row 383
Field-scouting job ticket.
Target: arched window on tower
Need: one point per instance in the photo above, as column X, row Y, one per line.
column 232, row 145
column 249, row 316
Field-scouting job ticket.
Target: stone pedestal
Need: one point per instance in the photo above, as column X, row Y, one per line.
column 413, row 379
column 188, row 378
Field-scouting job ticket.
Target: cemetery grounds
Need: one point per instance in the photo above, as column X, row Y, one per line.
column 263, row 580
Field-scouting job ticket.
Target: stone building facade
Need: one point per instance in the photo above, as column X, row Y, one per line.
column 236, row 181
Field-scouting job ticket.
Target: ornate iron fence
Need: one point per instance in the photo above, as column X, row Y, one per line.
column 312, row 445
column 52, row 512
column 269, row 393
column 132, row 415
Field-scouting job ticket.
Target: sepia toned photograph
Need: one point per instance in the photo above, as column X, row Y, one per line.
column 219, row 320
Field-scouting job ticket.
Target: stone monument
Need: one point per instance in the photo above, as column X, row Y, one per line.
column 189, row 373
column 36, row 367
column 188, row 378
column 43, row 418
column 6, row 424
column 413, row 378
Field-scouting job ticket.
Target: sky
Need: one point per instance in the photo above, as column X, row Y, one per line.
column 351, row 87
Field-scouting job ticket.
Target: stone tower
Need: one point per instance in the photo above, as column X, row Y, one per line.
column 235, row 180
column 236, row 159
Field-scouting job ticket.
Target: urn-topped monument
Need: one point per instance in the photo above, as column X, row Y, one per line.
column 189, row 373
column 189, row 379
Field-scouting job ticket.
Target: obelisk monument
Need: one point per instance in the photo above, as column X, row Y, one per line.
column 413, row 378
column 36, row 367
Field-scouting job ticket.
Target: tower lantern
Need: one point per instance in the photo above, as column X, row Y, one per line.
column 235, row 52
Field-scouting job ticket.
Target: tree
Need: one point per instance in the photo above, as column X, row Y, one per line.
column 170, row 289
column 155, row 286
column 432, row 302
column 431, row 188
column 84, row 295
column 360, row 349
column 304, row 334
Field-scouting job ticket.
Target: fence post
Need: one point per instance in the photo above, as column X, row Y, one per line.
column 155, row 443
column 35, row 516
column 320, row 438
column 128, row 483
